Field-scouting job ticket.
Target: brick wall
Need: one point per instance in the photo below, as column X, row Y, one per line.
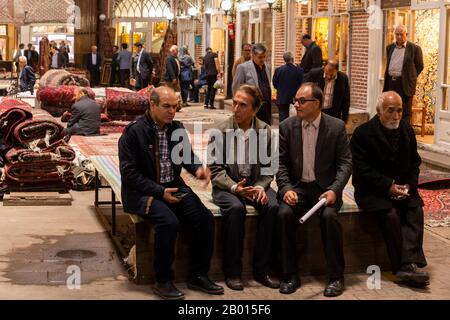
column 199, row 50
column 359, row 58
column 279, row 45
column 38, row 10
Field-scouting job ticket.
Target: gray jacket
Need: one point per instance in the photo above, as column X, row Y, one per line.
column 246, row 73
column 124, row 60
column 333, row 161
column 224, row 176
column 85, row 119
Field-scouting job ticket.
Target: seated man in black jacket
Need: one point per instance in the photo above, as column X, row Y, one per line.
column 385, row 175
column 152, row 188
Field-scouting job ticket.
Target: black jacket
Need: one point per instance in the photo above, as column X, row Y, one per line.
column 287, row 79
column 312, row 58
column 375, row 166
column 341, row 94
column 88, row 61
column 412, row 67
column 145, row 66
column 27, row 79
column 172, row 70
column 85, row 119
column 139, row 162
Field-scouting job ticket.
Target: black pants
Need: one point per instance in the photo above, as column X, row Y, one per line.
column 402, row 229
column 284, row 111
column 141, row 82
column 265, row 112
column 211, row 93
column 397, row 86
column 124, row 75
column 165, row 219
column 185, row 90
column 113, row 78
column 331, row 230
column 233, row 230
column 95, row 76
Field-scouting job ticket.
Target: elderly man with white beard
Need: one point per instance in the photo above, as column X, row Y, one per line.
column 385, row 176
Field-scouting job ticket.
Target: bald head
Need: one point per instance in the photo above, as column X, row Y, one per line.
column 331, row 69
column 390, row 109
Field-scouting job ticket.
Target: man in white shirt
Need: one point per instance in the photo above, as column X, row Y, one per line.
column 93, row 63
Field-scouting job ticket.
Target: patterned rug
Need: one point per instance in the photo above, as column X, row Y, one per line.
column 113, row 127
column 96, row 146
column 437, row 207
column 431, row 177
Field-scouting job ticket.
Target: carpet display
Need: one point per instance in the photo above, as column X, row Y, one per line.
column 57, row 100
column 126, row 105
column 10, row 117
column 60, row 77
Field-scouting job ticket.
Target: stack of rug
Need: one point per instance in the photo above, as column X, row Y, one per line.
column 126, row 105
column 38, row 158
column 57, row 100
column 60, row 77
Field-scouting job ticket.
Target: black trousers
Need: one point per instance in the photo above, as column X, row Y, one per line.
column 124, row 75
column 331, row 231
column 402, row 229
column 185, row 90
column 284, row 111
column 141, row 83
column 211, row 93
column 95, row 76
column 233, row 230
column 397, row 86
column 113, row 78
column 265, row 112
column 166, row 218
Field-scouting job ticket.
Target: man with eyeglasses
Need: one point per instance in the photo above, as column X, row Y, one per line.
column 385, row 177
column 152, row 188
column 315, row 163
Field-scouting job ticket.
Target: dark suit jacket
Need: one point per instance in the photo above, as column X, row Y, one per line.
column 375, row 166
column 34, row 58
column 27, row 79
column 172, row 70
column 88, row 61
column 62, row 60
column 333, row 161
column 145, row 66
column 225, row 175
column 312, row 58
column 287, row 79
column 85, row 119
column 412, row 67
column 341, row 94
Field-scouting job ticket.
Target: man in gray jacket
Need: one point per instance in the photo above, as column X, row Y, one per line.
column 315, row 162
column 124, row 60
column 85, row 118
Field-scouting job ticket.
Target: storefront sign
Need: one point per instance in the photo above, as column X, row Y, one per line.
column 386, row 4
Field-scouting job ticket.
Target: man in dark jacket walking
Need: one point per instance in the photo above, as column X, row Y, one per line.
column 287, row 79
column 385, row 176
column 152, row 188
column 313, row 55
column 173, row 69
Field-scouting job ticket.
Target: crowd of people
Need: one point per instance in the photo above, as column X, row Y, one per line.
column 315, row 160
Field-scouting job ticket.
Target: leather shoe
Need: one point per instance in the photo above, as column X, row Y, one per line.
column 409, row 274
column 334, row 288
column 290, row 284
column 168, row 291
column 267, row 281
column 202, row 283
column 234, row 284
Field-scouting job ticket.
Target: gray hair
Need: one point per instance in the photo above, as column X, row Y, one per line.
column 173, row 48
column 259, row 48
column 401, row 27
column 23, row 59
column 380, row 100
column 288, row 57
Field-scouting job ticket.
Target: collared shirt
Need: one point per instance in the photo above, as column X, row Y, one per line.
column 166, row 169
column 179, row 66
column 245, row 169
column 396, row 63
column 310, row 132
column 328, row 92
column 139, row 61
column 263, row 82
column 94, row 59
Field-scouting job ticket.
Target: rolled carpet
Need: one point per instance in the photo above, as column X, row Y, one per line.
column 40, row 132
column 10, row 118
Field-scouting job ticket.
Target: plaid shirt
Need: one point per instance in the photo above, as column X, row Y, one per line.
column 166, row 169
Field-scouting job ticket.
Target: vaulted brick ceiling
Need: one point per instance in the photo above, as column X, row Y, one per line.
column 37, row 10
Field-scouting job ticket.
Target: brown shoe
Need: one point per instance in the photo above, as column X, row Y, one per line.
column 235, row 284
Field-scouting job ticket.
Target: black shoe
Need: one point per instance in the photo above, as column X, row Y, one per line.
column 213, row 108
column 267, row 281
column 168, row 291
column 205, row 106
column 202, row 283
column 234, row 284
column 290, row 284
column 410, row 275
column 334, row 288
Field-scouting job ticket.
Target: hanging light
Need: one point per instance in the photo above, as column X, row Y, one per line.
column 270, row 2
column 170, row 16
column 192, row 12
column 278, row 7
column 226, row 6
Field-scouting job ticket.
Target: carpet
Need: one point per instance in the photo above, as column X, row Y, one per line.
column 431, row 177
column 96, row 146
column 437, row 207
column 113, row 127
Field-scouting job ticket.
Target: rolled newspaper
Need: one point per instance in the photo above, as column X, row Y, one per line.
column 322, row 202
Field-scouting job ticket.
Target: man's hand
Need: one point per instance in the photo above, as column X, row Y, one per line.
column 260, row 196
column 245, row 192
column 291, row 198
column 203, row 174
column 330, row 196
column 399, row 192
column 168, row 197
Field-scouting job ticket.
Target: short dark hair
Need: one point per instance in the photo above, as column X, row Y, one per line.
column 138, row 44
column 306, row 36
column 254, row 92
column 208, row 49
column 317, row 93
column 117, row 47
column 246, row 44
column 154, row 96
column 124, row 46
column 21, row 45
column 259, row 48
column 334, row 65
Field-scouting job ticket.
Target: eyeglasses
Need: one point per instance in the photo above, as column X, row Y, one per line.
column 302, row 100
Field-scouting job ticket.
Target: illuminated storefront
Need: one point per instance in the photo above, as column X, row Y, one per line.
column 141, row 21
column 7, row 41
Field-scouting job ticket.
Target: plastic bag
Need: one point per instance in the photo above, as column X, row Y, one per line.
column 218, row 84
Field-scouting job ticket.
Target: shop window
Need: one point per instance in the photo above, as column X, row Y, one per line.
column 321, row 36
column 3, row 30
column 158, row 32
column 244, row 26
